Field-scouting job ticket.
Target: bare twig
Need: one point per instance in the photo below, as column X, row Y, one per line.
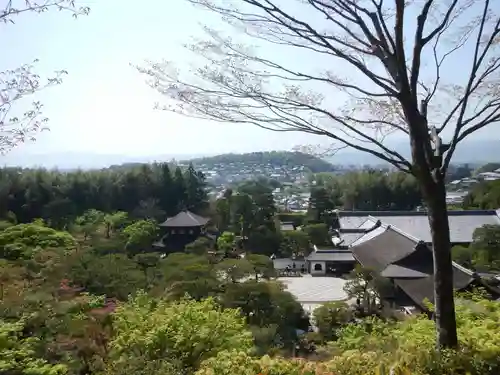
column 21, row 82
column 238, row 84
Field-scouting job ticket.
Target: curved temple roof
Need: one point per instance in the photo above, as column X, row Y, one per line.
column 185, row 219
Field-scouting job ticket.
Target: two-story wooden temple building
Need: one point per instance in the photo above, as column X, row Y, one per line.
column 179, row 230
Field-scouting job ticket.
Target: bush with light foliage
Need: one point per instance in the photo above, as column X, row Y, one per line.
column 377, row 347
column 176, row 335
column 20, row 355
column 23, row 240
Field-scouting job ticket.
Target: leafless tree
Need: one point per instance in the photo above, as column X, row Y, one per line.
column 20, row 82
column 367, row 69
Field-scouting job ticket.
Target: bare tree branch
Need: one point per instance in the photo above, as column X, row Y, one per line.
column 380, row 97
column 357, row 81
column 18, row 83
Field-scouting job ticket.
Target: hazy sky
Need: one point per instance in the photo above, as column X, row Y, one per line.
column 104, row 106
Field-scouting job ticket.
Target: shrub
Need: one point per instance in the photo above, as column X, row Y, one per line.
column 375, row 347
column 20, row 241
column 182, row 333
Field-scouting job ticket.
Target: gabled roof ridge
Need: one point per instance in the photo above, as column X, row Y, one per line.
column 463, row 269
column 402, row 233
column 371, row 218
column 417, row 247
column 195, row 219
column 418, row 213
column 353, row 244
column 376, row 223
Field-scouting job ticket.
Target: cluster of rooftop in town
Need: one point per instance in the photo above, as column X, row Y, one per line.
column 459, row 188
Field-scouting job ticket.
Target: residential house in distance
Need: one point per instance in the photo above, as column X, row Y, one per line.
column 180, row 230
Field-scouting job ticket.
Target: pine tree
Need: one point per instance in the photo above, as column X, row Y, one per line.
column 166, row 191
column 320, row 202
column 196, row 196
column 179, row 187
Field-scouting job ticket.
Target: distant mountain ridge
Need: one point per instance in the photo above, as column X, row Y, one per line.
column 291, row 159
column 472, row 151
column 85, row 160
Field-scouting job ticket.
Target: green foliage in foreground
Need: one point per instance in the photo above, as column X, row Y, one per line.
column 483, row 254
column 18, row 355
column 69, row 312
column 183, row 333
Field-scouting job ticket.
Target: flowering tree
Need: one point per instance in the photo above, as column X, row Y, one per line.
column 22, row 81
column 355, row 71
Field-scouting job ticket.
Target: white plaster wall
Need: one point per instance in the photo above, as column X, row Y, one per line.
column 323, row 268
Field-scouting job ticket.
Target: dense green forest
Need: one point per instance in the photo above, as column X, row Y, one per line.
column 369, row 191
column 146, row 191
column 83, row 292
column 274, row 158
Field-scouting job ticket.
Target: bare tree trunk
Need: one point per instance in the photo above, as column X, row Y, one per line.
column 427, row 169
column 444, row 314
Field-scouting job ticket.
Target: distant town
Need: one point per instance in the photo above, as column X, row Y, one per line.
column 294, row 174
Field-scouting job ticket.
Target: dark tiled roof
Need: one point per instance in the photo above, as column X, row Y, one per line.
column 419, row 260
column 420, row 289
column 349, row 238
column 416, row 224
column 383, row 249
column 395, row 271
column 185, row 219
column 331, row 256
column 369, row 235
column 407, row 262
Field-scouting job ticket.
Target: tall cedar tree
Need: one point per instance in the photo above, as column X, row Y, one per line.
column 59, row 197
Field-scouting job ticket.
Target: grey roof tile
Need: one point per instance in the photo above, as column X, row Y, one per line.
column 331, row 256
column 416, row 224
column 407, row 262
column 349, row 238
column 395, row 271
column 369, row 235
column 383, row 249
column 352, row 221
column 185, row 219
column 420, row 289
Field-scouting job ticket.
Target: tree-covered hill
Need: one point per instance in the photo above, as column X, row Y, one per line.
column 274, row 158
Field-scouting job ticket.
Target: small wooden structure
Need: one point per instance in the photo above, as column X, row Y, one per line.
column 180, row 230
